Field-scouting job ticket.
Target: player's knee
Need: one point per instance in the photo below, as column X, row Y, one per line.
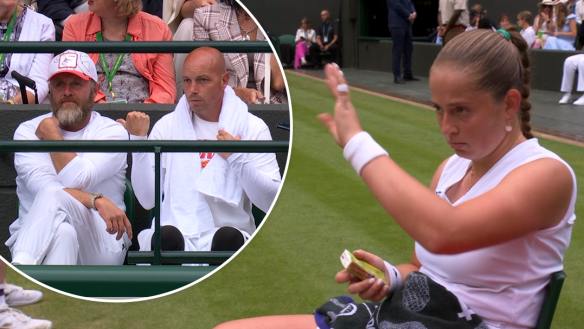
column 171, row 239
column 227, row 239
column 66, row 234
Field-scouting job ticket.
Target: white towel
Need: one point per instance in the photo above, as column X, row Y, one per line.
column 186, row 184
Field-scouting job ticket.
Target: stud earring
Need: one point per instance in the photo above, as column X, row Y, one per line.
column 508, row 127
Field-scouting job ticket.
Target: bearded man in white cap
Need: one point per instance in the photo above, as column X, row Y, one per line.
column 71, row 204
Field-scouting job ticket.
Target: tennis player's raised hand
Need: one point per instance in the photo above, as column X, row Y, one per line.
column 345, row 123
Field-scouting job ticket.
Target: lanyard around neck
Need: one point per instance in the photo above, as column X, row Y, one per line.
column 110, row 74
column 330, row 26
column 9, row 31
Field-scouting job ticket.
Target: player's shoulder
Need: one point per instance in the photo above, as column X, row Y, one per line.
column 257, row 128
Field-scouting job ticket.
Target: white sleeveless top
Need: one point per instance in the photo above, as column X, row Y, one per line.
column 503, row 284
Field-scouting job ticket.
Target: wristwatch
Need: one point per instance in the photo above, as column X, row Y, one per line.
column 93, row 197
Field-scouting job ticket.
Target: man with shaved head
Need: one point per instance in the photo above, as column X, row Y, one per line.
column 207, row 198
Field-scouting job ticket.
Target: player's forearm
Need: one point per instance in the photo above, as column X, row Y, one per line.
column 80, row 196
column 406, row 269
column 61, row 160
column 334, row 40
column 277, row 82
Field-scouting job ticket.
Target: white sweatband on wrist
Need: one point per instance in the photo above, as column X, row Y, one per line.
column 394, row 276
column 361, row 149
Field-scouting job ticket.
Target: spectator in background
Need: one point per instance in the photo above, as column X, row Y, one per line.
column 401, row 16
column 524, row 21
column 305, row 37
column 563, row 30
column 545, row 15
column 486, row 23
column 126, row 78
column 483, row 13
column 453, row 19
column 571, row 65
column 60, row 10
column 504, row 21
column 571, row 4
column 474, row 17
column 228, row 21
column 178, row 14
column 579, row 19
column 326, row 39
column 27, row 25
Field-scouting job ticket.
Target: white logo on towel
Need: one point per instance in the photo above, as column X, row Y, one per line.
column 407, row 325
column 416, row 292
column 466, row 312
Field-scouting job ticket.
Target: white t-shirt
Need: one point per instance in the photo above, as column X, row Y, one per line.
column 258, row 173
column 504, row 284
column 448, row 7
column 206, row 130
column 529, row 35
column 90, row 172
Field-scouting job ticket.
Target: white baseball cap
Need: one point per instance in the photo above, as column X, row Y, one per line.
column 75, row 62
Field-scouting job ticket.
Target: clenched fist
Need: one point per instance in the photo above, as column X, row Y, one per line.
column 136, row 123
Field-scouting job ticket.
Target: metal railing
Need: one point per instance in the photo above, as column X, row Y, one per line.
column 156, row 146
column 133, row 47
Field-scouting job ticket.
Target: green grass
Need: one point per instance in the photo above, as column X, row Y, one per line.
column 323, row 209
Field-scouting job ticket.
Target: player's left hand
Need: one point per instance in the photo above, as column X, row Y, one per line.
column 225, row 136
column 370, row 289
column 345, row 124
column 47, row 129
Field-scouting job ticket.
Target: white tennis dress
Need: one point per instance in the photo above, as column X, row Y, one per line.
column 504, row 284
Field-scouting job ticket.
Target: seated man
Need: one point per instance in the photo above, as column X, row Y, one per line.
column 71, row 204
column 207, row 198
column 326, row 40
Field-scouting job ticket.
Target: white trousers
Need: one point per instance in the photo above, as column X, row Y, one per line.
column 202, row 242
column 571, row 65
column 59, row 230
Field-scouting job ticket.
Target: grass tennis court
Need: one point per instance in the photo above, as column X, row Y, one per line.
column 323, row 208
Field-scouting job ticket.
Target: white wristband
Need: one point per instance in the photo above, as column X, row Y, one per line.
column 361, row 149
column 394, row 276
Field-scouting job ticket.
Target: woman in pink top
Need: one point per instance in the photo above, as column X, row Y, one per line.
column 126, row 78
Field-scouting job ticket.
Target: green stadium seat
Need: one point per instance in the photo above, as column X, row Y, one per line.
column 287, row 39
column 287, row 49
column 551, row 300
column 130, row 202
